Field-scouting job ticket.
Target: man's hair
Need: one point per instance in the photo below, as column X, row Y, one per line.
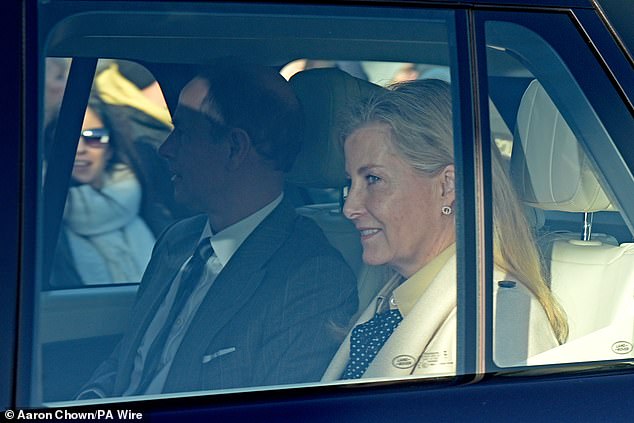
column 258, row 100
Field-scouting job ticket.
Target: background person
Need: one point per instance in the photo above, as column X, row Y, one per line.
column 399, row 157
column 103, row 239
column 133, row 103
column 54, row 85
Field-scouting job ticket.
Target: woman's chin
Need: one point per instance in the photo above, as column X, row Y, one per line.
column 81, row 179
column 372, row 259
column 83, row 174
column 87, row 178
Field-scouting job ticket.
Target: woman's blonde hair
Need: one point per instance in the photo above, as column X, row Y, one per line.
column 419, row 116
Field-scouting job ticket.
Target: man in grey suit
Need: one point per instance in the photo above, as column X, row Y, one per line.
column 248, row 293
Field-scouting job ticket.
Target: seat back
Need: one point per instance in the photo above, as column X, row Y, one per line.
column 326, row 95
column 592, row 280
column 594, row 283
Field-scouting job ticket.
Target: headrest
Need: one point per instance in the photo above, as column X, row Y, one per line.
column 549, row 167
column 325, row 95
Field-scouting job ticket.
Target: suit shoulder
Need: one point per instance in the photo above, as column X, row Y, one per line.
column 312, row 253
column 307, row 232
column 197, row 221
column 179, row 230
column 305, row 247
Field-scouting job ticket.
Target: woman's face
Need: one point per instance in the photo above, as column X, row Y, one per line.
column 396, row 209
column 92, row 152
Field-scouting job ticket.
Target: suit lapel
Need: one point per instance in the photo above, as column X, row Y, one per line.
column 233, row 287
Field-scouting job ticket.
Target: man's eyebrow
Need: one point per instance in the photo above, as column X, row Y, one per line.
column 184, row 115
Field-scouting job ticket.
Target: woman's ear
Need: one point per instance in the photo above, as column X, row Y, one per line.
column 449, row 183
column 239, row 147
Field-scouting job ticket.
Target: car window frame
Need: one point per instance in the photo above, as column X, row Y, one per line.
column 608, row 161
column 472, row 223
column 463, row 118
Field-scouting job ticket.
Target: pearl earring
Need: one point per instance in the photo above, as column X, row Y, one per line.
column 446, row 210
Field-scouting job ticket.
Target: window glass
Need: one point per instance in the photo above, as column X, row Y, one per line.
column 119, row 197
column 350, row 274
column 56, row 74
column 118, row 200
column 573, row 261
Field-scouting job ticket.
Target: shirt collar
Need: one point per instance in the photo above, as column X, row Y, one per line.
column 409, row 292
column 226, row 242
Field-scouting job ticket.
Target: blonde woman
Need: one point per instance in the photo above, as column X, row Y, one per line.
column 399, row 158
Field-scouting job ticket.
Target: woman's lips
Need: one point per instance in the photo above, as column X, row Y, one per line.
column 368, row 233
column 82, row 163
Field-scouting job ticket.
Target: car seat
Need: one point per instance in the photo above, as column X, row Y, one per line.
column 326, row 96
column 591, row 277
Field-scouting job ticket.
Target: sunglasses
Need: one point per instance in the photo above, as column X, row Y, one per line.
column 96, row 138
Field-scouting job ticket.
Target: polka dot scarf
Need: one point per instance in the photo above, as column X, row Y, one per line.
column 367, row 339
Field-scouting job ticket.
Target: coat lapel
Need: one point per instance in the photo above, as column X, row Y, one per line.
column 340, row 360
column 402, row 352
column 233, row 287
column 404, row 349
column 425, row 341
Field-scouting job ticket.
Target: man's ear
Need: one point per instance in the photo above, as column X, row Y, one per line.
column 448, row 180
column 239, row 147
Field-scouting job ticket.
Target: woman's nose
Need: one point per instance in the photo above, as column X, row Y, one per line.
column 81, row 146
column 353, row 205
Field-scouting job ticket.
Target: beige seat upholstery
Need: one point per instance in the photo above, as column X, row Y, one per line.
column 326, row 95
column 593, row 280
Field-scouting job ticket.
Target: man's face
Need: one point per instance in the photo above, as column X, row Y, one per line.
column 197, row 152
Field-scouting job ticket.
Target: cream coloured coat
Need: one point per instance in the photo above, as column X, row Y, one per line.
column 424, row 344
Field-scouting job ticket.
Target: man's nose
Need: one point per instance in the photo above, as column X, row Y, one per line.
column 353, row 205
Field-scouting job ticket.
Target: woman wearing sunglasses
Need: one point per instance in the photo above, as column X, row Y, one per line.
column 103, row 239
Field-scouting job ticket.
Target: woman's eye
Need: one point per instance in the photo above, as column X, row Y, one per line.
column 372, row 179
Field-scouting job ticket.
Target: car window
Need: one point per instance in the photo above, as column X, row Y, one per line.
column 239, row 198
column 118, row 199
column 56, row 74
column 121, row 134
column 617, row 14
column 583, row 245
